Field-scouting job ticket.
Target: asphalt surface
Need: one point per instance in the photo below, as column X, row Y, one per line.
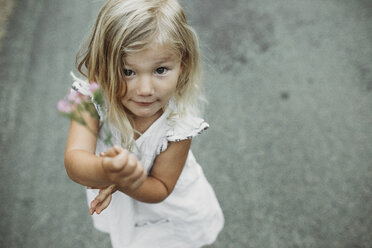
column 289, row 151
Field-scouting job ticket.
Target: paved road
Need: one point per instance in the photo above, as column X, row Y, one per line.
column 289, row 151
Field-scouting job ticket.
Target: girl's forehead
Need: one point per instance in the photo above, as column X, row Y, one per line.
column 154, row 53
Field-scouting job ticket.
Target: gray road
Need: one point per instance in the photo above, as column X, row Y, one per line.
column 289, row 151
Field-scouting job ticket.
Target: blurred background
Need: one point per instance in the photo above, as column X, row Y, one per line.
column 289, row 150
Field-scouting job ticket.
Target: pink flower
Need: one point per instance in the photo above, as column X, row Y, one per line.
column 64, row 106
column 93, row 87
column 84, row 98
column 74, row 97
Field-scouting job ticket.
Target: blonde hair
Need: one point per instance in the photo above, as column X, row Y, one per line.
column 128, row 26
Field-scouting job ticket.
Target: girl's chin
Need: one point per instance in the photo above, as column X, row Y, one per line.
column 145, row 113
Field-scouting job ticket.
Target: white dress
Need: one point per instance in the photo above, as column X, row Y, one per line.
column 189, row 217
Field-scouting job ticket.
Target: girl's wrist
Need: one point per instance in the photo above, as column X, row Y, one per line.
column 102, row 171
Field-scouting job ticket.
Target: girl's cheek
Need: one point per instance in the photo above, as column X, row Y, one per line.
column 123, row 89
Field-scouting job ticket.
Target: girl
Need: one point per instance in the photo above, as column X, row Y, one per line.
column 145, row 58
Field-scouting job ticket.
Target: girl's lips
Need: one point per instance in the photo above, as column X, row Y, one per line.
column 144, row 104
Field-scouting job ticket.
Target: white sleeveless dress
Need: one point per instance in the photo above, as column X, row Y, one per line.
column 189, row 217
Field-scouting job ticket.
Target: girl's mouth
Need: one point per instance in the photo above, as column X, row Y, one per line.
column 144, row 104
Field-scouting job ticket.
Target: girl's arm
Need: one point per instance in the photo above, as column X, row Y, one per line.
column 164, row 174
column 81, row 164
column 85, row 168
column 157, row 186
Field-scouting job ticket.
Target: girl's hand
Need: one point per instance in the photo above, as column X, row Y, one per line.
column 123, row 169
column 102, row 200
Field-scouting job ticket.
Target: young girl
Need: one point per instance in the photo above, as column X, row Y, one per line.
column 145, row 58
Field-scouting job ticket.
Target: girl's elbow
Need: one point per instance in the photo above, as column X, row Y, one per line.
column 155, row 198
column 68, row 167
column 162, row 197
column 158, row 199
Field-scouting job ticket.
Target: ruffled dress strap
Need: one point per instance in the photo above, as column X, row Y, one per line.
column 185, row 128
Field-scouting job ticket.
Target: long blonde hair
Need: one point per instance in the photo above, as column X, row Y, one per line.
column 127, row 26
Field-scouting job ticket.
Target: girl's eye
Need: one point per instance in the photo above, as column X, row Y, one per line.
column 161, row 70
column 128, row 73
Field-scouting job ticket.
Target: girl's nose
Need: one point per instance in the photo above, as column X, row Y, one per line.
column 145, row 86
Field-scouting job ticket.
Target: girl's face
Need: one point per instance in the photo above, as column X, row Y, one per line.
column 151, row 76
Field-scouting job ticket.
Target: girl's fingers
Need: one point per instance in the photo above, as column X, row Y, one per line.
column 112, row 152
column 134, row 179
column 117, row 149
column 103, row 205
column 103, row 194
column 137, row 174
column 93, row 204
column 131, row 165
column 92, row 208
column 120, row 161
column 112, row 188
column 139, row 177
column 138, row 182
column 102, row 200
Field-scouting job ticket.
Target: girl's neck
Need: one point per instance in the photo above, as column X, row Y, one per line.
column 141, row 124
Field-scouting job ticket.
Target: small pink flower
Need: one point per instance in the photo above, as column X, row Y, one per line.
column 85, row 98
column 93, row 87
column 72, row 96
column 77, row 100
column 64, row 106
column 75, row 97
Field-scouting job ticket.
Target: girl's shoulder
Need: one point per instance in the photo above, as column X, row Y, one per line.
column 180, row 128
column 185, row 127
